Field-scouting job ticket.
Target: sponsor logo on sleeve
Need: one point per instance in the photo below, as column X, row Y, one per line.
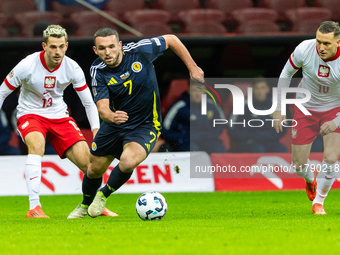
column 10, row 75
column 94, row 91
column 158, row 42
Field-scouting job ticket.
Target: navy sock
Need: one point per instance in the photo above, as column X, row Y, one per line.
column 90, row 187
column 116, row 180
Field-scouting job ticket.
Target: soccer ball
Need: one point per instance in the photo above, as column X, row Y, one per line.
column 151, row 206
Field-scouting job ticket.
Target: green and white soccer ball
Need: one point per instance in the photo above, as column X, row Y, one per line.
column 151, row 206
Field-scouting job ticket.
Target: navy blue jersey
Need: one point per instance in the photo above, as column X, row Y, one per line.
column 132, row 86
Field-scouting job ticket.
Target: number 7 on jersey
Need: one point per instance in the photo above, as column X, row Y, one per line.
column 128, row 83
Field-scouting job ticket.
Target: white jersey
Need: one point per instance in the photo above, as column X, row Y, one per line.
column 42, row 89
column 320, row 77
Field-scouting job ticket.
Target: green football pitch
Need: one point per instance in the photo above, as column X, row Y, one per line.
column 196, row 223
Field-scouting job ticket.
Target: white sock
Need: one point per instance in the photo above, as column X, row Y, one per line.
column 33, row 178
column 306, row 172
column 325, row 180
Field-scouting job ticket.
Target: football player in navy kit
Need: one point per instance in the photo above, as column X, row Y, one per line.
column 126, row 92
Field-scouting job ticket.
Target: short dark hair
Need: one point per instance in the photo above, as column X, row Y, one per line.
column 330, row 27
column 103, row 32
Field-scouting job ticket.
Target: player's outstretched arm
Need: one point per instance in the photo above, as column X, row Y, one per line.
column 107, row 115
column 178, row 47
column 278, row 118
column 90, row 109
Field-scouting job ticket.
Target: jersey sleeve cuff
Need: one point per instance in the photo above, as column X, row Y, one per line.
column 337, row 121
column 81, row 88
column 292, row 63
column 9, row 85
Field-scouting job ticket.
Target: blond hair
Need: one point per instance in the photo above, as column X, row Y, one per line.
column 54, row 31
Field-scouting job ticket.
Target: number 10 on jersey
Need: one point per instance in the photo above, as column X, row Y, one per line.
column 323, row 89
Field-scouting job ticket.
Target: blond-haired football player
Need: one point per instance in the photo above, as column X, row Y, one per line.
column 42, row 112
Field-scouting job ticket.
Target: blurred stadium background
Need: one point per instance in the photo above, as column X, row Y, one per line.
column 227, row 38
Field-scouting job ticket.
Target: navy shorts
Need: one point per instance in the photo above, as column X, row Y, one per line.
column 110, row 140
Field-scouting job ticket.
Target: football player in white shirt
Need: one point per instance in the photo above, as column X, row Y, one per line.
column 42, row 112
column 320, row 63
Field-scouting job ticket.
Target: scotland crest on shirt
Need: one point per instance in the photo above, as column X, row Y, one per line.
column 136, row 67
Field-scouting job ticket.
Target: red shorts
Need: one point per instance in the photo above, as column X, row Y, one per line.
column 308, row 126
column 62, row 133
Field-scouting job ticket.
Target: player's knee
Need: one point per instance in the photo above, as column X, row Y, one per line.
column 94, row 172
column 299, row 164
column 37, row 148
column 83, row 163
column 83, row 167
column 80, row 161
column 127, row 164
column 330, row 157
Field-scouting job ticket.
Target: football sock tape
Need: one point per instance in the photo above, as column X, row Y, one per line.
column 116, row 180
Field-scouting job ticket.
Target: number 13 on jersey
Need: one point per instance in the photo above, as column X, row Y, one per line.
column 47, row 102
